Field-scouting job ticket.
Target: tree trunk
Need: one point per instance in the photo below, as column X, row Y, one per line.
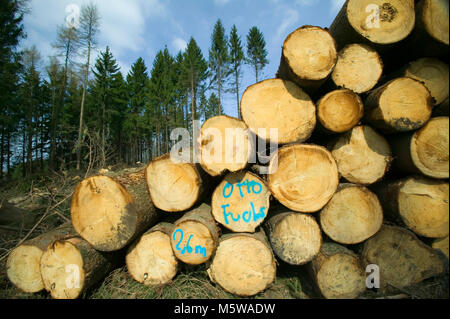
column 362, row 21
column 175, row 186
column 442, row 245
column 23, row 264
column 339, row 111
column 279, row 104
column 424, row 151
column 338, row 272
column 237, row 95
column 402, row 258
column 419, row 203
column 241, row 202
column 401, row 105
column 353, row 215
column 363, row 156
column 358, row 68
column 303, row 177
column 70, row 267
column 309, row 56
column 442, row 109
column 125, row 212
column 150, row 260
column 2, row 152
column 218, row 152
column 219, row 89
column 195, row 236
column 295, row 237
column 243, row 264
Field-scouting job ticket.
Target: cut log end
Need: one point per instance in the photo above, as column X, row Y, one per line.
column 173, row 186
column 340, row 110
column 241, row 202
column 295, row 237
column 62, row 270
column 434, row 15
column 395, row 22
column 430, row 148
column 243, row 265
column 353, row 215
column 103, row 213
column 363, row 156
column 282, row 105
column 303, row 177
column 224, row 145
column 23, row 268
column 358, row 68
column 151, row 261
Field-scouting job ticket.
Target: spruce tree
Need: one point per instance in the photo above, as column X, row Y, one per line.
column 256, row 51
column 236, row 59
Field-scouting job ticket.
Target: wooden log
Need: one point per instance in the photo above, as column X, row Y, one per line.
column 338, row 272
column 244, row 264
column 150, row 260
column 401, row 105
column 402, row 258
column 195, row 236
column 379, row 23
column 303, row 177
column 362, row 155
column 358, row 68
column 294, row 237
column 442, row 109
column 241, row 202
column 224, row 145
column 110, row 216
column 418, row 203
column 309, row 56
column 353, row 215
column 23, row 264
column 340, row 111
column 433, row 73
column 279, row 104
column 424, row 151
column 442, row 245
column 70, row 267
column 174, row 185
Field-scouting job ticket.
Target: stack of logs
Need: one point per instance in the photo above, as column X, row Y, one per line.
column 360, row 177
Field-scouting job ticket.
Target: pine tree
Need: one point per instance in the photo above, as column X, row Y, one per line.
column 256, row 51
column 219, row 60
column 236, row 59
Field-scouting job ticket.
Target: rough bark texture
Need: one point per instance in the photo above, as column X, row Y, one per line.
column 23, row 264
column 442, row 245
column 126, row 210
column 243, row 264
column 402, row 258
column 419, row 203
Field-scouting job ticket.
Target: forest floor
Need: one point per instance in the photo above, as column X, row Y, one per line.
column 47, row 199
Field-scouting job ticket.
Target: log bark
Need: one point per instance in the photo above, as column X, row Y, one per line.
column 295, row 237
column 174, row 185
column 353, row 215
column 338, row 272
column 442, row 109
column 195, row 236
column 362, row 155
column 218, row 152
column 150, row 260
column 424, row 151
column 418, row 203
column 243, row 264
column 377, row 23
column 241, row 202
column 309, row 56
column 70, row 267
column 442, row 245
column 340, row 111
column 279, row 104
column 358, row 68
column 401, row 105
column 110, row 215
column 402, row 258
column 23, row 264
column 303, row 177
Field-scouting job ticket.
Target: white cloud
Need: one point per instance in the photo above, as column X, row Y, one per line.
column 336, row 5
column 179, row 44
column 291, row 17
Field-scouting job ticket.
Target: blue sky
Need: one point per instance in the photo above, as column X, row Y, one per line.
column 139, row 28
